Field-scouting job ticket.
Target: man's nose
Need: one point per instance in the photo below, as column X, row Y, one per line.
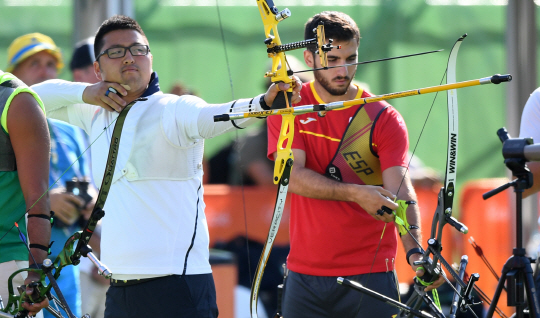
column 342, row 71
column 48, row 72
column 128, row 58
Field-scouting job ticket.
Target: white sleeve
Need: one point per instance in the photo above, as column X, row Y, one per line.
column 190, row 118
column 530, row 119
column 63, row 101
column 207, row 128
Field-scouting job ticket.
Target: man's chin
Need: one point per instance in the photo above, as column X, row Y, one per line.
column 338, row 91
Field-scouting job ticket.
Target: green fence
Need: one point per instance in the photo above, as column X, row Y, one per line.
column 187, row 44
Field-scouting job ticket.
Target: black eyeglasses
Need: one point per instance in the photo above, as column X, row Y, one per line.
column 120, row 51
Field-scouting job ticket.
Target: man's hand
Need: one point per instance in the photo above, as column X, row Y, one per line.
column 274, row 90
column 100, row 95
column 33, row 307
column 372, row 198
column 87, row 210
column 420, row 272
column 66, row 206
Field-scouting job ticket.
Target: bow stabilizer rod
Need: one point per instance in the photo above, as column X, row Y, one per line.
column 495, row 79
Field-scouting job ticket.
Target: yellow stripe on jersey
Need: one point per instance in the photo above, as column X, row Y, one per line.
column 319, row 135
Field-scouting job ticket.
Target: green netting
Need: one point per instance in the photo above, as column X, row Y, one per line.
column 187, row 47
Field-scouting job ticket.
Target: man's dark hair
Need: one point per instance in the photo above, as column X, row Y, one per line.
column 117, row 22
column 337, row 26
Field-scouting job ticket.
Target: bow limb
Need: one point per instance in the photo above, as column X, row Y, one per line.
column 284, row 160
column 274, row 226
column 446, row 196
column 451, row 157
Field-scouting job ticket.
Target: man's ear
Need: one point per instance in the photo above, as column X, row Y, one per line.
column 97, row 70
column 308, row 58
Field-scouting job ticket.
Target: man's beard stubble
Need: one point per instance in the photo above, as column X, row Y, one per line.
column 326, row 85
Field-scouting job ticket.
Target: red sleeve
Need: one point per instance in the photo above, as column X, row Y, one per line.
column 274, row 127
column 390, row 139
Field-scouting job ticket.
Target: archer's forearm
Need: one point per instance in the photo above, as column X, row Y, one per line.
column 31, row 143
column 39, row 232
column 310, row 184
column 57, row 93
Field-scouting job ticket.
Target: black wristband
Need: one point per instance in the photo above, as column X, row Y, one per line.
column 43, row 216
column 42, row 247
column 412, row 251
column 263, row 104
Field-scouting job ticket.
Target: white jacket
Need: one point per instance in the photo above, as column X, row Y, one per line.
column 154, row 220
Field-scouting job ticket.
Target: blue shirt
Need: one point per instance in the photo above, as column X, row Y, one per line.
column 67, row 144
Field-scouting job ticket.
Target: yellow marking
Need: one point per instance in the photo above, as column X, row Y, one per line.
column 319, row 135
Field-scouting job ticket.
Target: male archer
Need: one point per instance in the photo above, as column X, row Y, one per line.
column 348, row 165
column 154, row 236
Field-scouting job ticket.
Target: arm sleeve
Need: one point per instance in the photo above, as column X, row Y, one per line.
column 57, row 95
column 189, row 118
column 390, row 139
column 530, row 119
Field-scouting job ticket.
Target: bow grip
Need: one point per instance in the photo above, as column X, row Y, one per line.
column 427, row 277
column 280, row 102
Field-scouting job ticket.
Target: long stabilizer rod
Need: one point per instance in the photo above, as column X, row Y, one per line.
column 495, row 79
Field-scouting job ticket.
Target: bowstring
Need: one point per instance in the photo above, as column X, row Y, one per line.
column 420, row 135
column 239, row 161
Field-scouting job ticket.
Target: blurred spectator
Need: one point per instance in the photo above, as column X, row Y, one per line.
column 180, row 89
column 421, row 175
column 34, row 58
column 82, row 62
column 530, row 128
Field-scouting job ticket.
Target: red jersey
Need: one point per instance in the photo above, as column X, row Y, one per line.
column 337, row 238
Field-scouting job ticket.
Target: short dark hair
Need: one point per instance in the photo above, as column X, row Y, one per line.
column 337, row 26
column 117, row 22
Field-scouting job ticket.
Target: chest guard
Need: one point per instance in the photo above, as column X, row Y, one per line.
column 7, row 155
column 355, row 161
